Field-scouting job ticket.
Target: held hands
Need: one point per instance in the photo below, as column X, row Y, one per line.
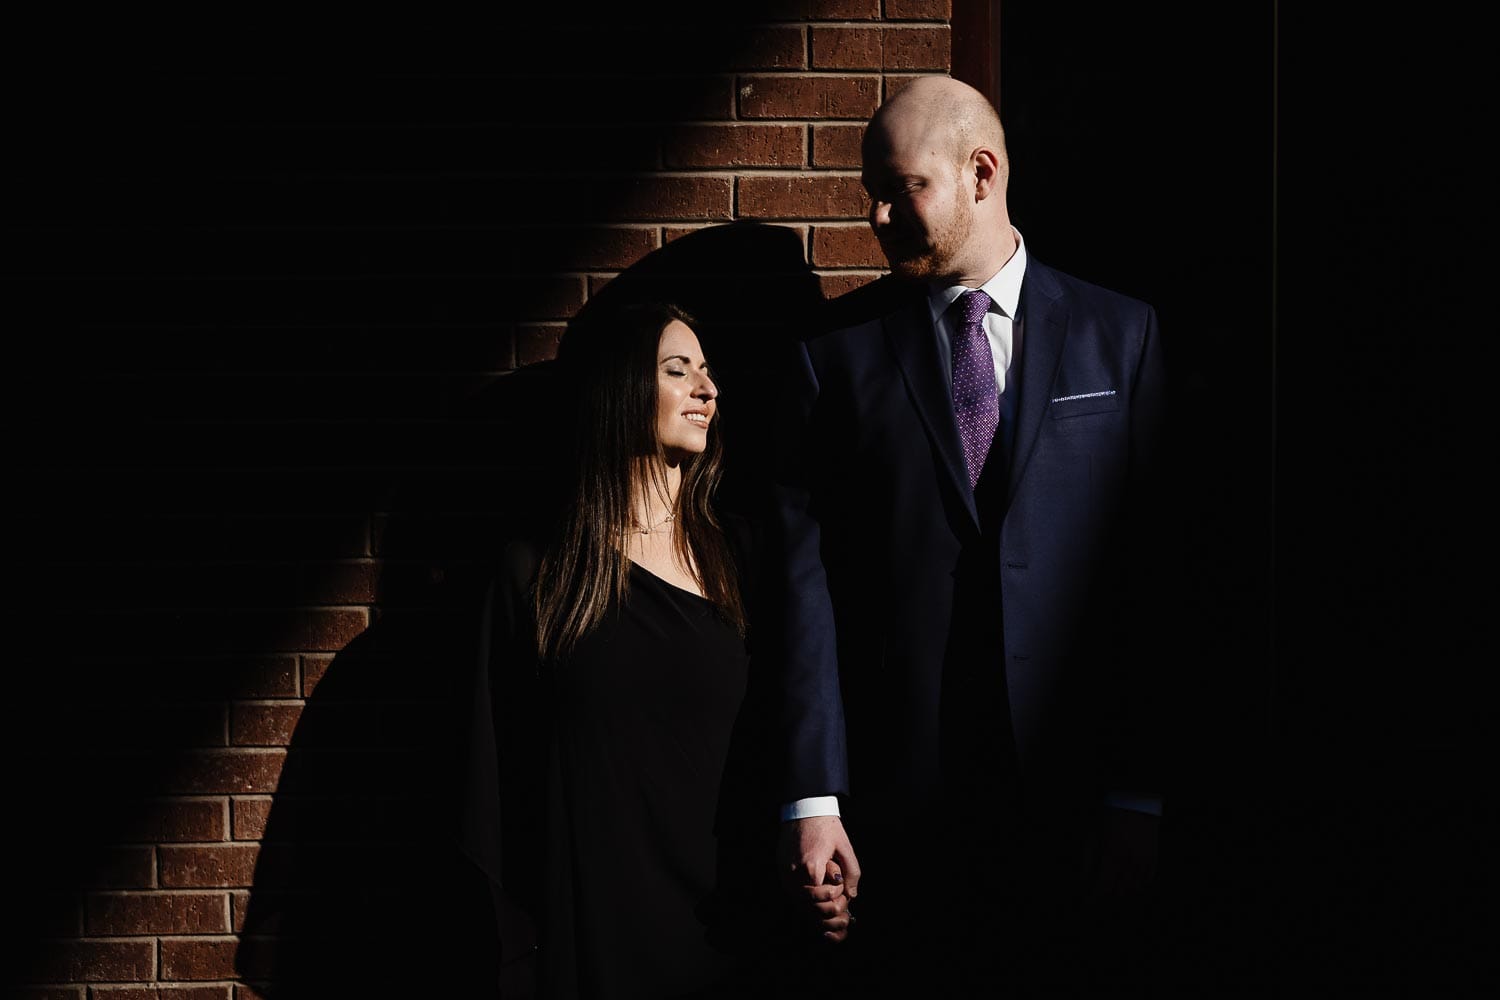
column 820, row 872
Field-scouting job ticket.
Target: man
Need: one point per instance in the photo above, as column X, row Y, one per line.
column 963, row 530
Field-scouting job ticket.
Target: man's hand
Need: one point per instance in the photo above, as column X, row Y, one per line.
column 819, row 868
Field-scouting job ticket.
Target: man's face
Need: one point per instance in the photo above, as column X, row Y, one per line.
column 920, row 210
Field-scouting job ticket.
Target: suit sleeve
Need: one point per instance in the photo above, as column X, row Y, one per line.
column 803, row 646
column 1154, row 560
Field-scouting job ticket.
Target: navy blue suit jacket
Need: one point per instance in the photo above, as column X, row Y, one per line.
column 892, row 574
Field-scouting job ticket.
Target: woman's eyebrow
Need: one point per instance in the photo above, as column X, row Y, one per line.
column 676, row 357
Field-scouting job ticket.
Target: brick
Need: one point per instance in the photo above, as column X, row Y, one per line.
column 846, row 48
column 313, row 669
column 180, row 821
column 551, row 247
column 85, row 961
column 189, row 725
column 545, row 298
column 824, row 10
column 767, row 47
column 264, row 677
column 239, row 907
column 204, row 867
column 263, row 725
column 207, row 584
column 46, row 993
column 538, row 341
column 249, row 536
column 243, row 992
column 804, row 197
column 894, row 82
column 615, row 246
column 918, row 10
column 124, row 993
column 199, row 958
column 698, row 97
column 286, row 630
column 834, row 285
column 501, row 355
column 661, row 197
column 157, row 913
column 56, row 916
column 134, row 725
column 220, row 992
column 808, row 96
column 916, row 48
column 846, row 246
column 736, row 146
column 228, row 771
column 837, row 145
column 122, row 868
column 333, row 629
column 597, row 282
column 338, row 582
column 676, row 233
column 250, row 817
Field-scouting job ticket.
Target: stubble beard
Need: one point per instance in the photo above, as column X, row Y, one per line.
column 945, row 244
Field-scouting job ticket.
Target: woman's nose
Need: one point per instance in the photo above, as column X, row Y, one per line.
column 706, row 389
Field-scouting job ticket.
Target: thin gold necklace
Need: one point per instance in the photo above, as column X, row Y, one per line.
column 655, row 527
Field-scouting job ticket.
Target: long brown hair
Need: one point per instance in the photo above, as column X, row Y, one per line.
column 611, row 362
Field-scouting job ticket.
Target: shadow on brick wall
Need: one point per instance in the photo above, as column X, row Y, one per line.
column 358, row 866
column 249, row 279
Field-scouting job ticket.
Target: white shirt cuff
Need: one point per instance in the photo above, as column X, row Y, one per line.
column 819, row 805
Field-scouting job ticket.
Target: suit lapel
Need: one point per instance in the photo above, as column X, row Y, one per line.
column 914, row 345
column 1045, row 328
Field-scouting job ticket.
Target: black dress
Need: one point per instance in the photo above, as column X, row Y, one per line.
column 610, row 767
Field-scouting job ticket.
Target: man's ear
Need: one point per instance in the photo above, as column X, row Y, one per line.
column 988, row 174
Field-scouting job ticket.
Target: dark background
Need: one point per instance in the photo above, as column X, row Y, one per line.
column 1300, row 198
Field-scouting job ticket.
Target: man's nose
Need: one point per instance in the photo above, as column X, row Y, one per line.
column 880, row 214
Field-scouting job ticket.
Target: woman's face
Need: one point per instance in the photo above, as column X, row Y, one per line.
column 685, row 394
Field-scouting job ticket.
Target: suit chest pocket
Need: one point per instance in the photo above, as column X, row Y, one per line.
column 1085, row 412
column 1081, row 404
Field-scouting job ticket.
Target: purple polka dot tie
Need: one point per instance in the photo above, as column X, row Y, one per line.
column 976, row 402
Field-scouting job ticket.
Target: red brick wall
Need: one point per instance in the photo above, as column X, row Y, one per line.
column 258, row 285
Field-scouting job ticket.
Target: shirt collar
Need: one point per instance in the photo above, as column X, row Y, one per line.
column 1003, row 287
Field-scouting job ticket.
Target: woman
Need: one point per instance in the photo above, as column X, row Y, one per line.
column 615, row 667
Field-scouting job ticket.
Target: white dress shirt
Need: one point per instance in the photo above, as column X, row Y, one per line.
column 1004, row 290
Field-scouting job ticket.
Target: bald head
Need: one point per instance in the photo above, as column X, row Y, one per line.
column 937, row 114
column 935, row 169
